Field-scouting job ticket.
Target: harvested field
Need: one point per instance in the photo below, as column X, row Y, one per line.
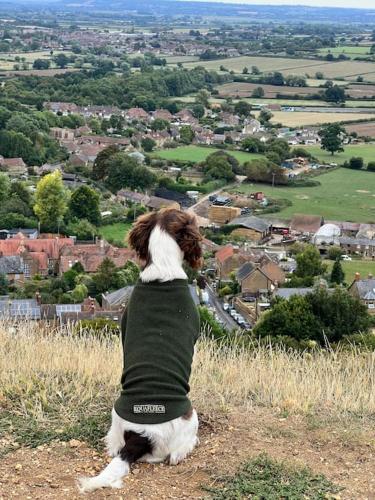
column 298, row 118
column 236, row 64
column 241, row 89
column 362, row 129
column 38, row 72
column 361, row 91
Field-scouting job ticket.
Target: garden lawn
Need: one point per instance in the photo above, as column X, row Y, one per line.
column 115, row 232
column 199, row 153
column 366, row 151
column 363, row 267
column 343, row 194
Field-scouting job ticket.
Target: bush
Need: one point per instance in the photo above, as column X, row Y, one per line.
column 99, row 327
column 371, row 166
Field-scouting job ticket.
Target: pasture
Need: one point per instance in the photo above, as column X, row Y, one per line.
column 365, row 151
column 351, row 51
column 115, row 232
column 200, row 153
column 299, row 118
column 343, row 194
column 363, row 267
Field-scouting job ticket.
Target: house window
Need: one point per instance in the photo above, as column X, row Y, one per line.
column 26, row 270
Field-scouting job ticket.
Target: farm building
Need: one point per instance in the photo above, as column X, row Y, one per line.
column 223, row 215
column 327, row 235
column 251, row 228
column 306, row 224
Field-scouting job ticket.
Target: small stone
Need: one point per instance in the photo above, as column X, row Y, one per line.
column 18, row 466
column 74, row 443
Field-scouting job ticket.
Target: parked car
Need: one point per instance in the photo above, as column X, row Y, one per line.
column 226, row 306
column 346, row 257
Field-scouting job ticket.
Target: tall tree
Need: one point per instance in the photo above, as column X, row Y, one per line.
column 84, row 204
column 100, row 167
column 332, row 138
column 309, row 263
column 337, row 274
column 51, row 200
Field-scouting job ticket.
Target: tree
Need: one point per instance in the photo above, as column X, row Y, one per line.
column 159, row 124
column 79, row 293
column 84, row 204
column 186, row 134
column 242, row 108
column 82, row 229
column 218, row 167
column 258, row 92
column 4, row 187
column 202, row 97
column 245, row 71
column 148, row 144
column 198, row 111
column 309, row 263
column 16, row 145
column 253, row 145
column 106, row 278
column 255, row 70
column 61, row 60
column 334, row 253
column 100, row 167
column 335, row 94
column 265, row 116
column 4, row 284
column 371, row 166
column 318, row 316
column 51, row 200
column 332, row 138
column 356, row 163
column 125, row 171
column 41, row 64
column 337, row 273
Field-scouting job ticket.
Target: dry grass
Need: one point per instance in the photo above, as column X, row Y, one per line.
column 298, row 118
column 52, row 376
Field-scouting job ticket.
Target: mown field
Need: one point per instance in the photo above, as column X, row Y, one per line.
column 366, row 151
column 199, row 153
column 7, row 59
column 363, row 267
column 298, row 118
column 362, row 129
column 351, row 51
column 288, row 66
column 343, row 194
column 115, row 232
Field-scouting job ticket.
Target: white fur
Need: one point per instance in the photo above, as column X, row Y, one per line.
column 172, row 440
column 166, row 258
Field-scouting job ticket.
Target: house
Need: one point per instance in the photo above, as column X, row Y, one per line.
column 228, row 119
column 306, row 224
column 12, row 267
column 132, row 197
column 31, row 234
column 63, row 108
column 62, row 134
column 229, row 259
column 185, row 116
column 40, row 256
column 286, row 293
column 358, row 246
column 14, row 166
column 251, row 127
column 251, row 228
column 156, row 203
column 364, row 290
column 92, row 255
column 138, row 114
column 162, row 114
column 223, row 214
column 255, row 279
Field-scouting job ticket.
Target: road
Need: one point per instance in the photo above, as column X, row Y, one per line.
column 228, row 321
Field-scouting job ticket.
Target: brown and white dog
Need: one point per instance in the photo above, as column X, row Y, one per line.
column 163, row 241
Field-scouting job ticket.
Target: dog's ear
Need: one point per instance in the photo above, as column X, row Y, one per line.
column 139, row 236
column 189, row 239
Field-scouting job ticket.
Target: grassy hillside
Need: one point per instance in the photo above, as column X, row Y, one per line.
column 199, row 153
column 343, row 194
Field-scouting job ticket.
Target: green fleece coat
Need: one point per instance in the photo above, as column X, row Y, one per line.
column 159, row 330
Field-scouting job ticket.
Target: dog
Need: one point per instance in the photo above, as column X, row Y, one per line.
column 153, row 420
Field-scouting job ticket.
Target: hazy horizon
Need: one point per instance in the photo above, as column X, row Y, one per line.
column 359, row 4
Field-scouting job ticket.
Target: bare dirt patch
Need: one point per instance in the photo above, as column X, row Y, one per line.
column 344, row 453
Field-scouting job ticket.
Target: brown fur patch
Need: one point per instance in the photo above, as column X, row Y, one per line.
column 188, row 414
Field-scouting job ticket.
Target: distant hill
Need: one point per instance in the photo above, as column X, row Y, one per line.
column 251, row 13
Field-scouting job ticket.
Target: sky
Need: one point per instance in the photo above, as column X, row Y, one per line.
column 359, row 4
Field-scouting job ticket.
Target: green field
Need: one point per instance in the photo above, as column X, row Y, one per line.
column 115, row 232
column 199, row 153
column 363, row 267
column 344, row 194
column 366, row 151
column 351, row 51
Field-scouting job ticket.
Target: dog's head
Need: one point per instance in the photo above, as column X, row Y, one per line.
column 180, row 226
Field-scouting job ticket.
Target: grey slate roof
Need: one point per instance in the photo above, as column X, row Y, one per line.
column 346, row 240
column 251, row 223
column 245, row 270
column 11, row 265
column 365, row 288
column 286, row 293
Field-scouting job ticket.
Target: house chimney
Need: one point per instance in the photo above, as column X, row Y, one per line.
column 357, row 276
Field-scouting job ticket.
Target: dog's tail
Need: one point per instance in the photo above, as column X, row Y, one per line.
column 136, row 446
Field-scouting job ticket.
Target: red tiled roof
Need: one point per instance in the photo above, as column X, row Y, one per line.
column 51, row 247
column 224, row 253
